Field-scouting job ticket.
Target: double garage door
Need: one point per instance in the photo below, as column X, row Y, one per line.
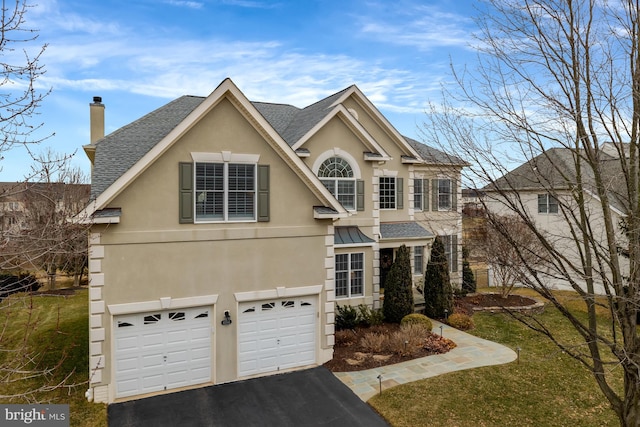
column 276, row 334
column 168, row 349
column 162, row 350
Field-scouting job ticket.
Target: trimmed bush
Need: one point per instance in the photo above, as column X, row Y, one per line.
column 438, row 293
column 368, row 316
column 468, row 279
column 398, row 292
column 416, row 318
column 461, row 321
column 346, row 317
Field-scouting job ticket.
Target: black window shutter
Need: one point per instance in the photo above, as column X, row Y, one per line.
column 263, row 193
column 399, row 193
column 454, row 253
column 360, row 195
column 454, row 195
column 425, row 194
column 434, row 195
column 185, row 201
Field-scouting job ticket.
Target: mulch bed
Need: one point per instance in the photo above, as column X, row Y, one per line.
column 467, row 303
column 345, row 350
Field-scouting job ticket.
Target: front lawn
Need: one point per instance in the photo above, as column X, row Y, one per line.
column 58, row 341
column 546, row 388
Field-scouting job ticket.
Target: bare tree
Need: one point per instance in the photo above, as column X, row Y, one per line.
column 557, row 91
column 510, row 249
column 49, row 241
column 20, row 97
column 20, row 68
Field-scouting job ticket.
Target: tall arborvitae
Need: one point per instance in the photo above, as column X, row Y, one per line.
column 438, row 294
column 468, row 279
column 398, row 292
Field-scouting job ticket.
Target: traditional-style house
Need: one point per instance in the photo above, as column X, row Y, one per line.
column 226, row 231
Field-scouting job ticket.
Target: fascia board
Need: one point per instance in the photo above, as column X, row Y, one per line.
column 353, row 124
column 364, row 101
column 226, row 89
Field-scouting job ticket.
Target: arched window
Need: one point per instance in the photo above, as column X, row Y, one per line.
column 337, row 175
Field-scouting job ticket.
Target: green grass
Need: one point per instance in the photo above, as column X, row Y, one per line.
column 56, row 333
column 546, row 387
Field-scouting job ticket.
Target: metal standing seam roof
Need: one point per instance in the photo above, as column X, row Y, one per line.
column 350, row 235
column 404, row 230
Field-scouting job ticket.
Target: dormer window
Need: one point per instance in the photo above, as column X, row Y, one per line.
column 337, row 175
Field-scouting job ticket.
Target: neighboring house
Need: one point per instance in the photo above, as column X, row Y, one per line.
column 543, row 187
column 19, row 199
column 225, row 232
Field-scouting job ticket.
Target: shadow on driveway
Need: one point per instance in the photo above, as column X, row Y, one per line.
column 313, row 397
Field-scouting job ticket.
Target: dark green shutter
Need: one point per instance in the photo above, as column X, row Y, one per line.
column 454, row 253
column 425, row 195
column 263, row 193
column 454, row 195
column 360, row 195
column 399, row 193
column 434, row 194
column 186, row 193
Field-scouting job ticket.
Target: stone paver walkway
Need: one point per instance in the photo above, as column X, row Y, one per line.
column 471, row 352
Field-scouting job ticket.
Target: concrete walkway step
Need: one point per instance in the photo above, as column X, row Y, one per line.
column 470, row 352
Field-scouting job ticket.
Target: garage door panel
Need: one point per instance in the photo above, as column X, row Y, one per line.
column 127, row 343
column 155, row 339
column 162, row 350
column 274, row 335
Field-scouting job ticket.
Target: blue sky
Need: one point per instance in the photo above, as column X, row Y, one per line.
column 140, row 54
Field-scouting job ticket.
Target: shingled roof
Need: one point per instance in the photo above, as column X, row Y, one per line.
column 556, row 169
column 120, row 150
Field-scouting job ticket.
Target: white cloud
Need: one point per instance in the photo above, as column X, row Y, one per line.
column 188, row 4
column 416, row 25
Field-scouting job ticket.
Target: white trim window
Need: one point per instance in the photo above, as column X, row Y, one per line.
column 225, row 191
column 418, row 260
column 387, row 192
column 450, row 243
column 547, row 204
column 444, row 194
column 337, row 175
column 418, row 194
column 349, row 275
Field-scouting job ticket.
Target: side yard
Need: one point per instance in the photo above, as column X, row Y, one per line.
column 55, row 332
column 545, row 388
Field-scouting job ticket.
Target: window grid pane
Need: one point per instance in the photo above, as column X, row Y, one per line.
column 357, row 273
column 342, row 274
column 444, row 194
column 221, row 187
column 542, row 203
column 347, row 193
column 349, row 276
column 209, row 190
column 417, row 194
column 448, row 250
column 387, row 193
column 418, row 260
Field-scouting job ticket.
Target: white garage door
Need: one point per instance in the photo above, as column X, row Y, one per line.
column 162, row 350
column 277, row 334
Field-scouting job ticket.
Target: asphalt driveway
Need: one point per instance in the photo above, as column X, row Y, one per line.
column 313, row 397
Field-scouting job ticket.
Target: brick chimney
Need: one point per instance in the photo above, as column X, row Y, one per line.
column 96, row 124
